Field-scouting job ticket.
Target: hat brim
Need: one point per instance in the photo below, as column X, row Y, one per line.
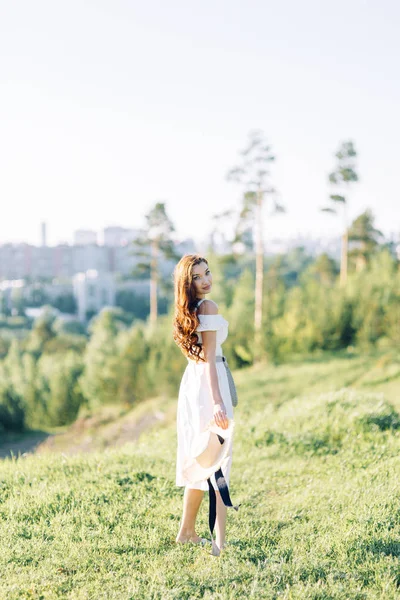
column 208, row 453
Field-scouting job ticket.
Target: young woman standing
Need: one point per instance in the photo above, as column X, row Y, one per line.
column 204, row 394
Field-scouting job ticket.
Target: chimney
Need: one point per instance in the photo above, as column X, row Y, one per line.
column 43, row 228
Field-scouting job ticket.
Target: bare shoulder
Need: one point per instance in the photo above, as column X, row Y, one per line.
column 208, row 307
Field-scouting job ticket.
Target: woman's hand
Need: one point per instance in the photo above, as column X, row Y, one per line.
column 220, row 417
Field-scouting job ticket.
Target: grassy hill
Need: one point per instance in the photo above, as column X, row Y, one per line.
column 316, row 468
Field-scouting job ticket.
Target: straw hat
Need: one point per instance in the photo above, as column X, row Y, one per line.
column 208, row 451
column 206, row 456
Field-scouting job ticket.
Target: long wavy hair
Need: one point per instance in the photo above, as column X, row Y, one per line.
column 186, row 320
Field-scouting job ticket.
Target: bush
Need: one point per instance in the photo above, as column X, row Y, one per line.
column 59, row 387
column 12, row 413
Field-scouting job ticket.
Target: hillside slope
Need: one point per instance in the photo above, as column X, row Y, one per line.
column 315, row 468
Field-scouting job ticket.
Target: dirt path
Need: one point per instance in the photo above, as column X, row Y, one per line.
column 85, row 435
column 92, row 438
column 23, row 444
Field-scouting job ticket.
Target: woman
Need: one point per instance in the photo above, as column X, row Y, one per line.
column 204, row 394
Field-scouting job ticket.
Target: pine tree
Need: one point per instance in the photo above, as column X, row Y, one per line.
column 99, row 381
column 342, row 177
column 362, row 231
column 253, row 175
column 155, row 243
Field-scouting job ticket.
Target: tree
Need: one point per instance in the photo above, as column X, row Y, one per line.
column 366, row 237
column 17, row 302
column 253, row 175
column 324, row 269
column 42, row 332
column 4, row 309
column 223, row 284
column 65, row 303
column 342, row 177
column 12, row 414
column 218, row 232
column 58, row 376
column 38, row 296
column 133, row 381
column 99, row 381
column 133, row 303
column 19, row 373
column 153, row 243
column 239, row 348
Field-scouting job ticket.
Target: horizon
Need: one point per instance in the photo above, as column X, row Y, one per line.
column 179, row 240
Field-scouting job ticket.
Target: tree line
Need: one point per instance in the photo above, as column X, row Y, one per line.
column 50, row 375
column 278, row 307
column 253, row 174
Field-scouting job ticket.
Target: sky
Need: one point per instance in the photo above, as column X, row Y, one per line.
column 108, row 107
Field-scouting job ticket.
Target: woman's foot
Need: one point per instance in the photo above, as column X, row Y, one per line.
column 194, row 539
column 216, row 550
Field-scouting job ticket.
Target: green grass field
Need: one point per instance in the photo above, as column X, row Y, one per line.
column 316, row 469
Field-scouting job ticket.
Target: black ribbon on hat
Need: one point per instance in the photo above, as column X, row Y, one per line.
column 224, row 492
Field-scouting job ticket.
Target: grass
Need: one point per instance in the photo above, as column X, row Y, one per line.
column 316, row 470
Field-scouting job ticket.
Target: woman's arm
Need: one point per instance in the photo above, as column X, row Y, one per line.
column 209, row 349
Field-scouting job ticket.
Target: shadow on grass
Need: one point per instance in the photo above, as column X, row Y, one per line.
column 322, row 357
column 344, row 354
column 388, row 548
column 16, row 444
column 382, row 422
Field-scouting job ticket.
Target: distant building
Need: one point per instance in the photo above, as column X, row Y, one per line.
column 18, row 261
column 119, row 236
column 183, row 247
column 90, row 257
column 23, row 260
column 44, row 234
column 85, row 237
column 93, row 291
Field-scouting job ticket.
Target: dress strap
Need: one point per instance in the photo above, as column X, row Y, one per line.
column 199, row 302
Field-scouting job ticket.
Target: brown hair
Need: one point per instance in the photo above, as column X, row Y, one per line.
column 186, row 320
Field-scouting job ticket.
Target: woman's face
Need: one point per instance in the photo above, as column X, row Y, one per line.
column 202, row 279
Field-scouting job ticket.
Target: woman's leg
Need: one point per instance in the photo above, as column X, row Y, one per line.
column 191, row 503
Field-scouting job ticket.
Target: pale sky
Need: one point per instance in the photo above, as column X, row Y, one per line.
column 108, row 107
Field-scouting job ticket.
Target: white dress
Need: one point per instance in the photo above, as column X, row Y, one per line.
column 195, row 405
